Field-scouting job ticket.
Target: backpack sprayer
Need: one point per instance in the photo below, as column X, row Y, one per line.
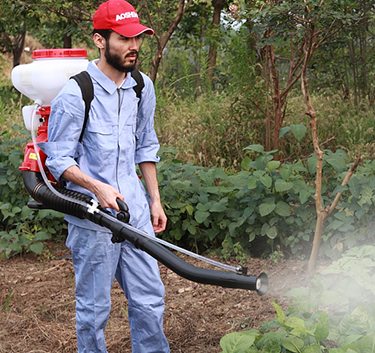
column 41, row 81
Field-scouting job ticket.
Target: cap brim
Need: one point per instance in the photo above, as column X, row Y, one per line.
column 133, row 30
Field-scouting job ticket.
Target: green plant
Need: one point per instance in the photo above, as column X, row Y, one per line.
column 346, row 291
column 295, row 334
column 21, row 229
column 7, row 301
column 265, row 207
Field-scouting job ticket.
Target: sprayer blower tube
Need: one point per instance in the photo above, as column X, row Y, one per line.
column 39, row 191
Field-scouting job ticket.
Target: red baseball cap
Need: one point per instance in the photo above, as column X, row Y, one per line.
column 121, row 17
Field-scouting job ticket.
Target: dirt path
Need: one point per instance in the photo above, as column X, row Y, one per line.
column 37, row 306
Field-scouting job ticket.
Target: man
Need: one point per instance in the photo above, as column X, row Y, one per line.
column 119, row 134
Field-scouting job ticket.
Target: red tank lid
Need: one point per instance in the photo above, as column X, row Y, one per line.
column 59, row 53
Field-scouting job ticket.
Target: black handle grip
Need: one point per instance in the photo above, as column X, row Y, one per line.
column 123, row 215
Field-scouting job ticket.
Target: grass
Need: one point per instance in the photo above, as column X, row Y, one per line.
column 340, row 124
column 213, row 129
column 208, row 130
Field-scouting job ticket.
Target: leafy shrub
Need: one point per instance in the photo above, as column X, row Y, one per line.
column 269, row 204
column 21, row 229
column 298, row 333
column 346, row 290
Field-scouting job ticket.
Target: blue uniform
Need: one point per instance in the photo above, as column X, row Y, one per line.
column 119, row 134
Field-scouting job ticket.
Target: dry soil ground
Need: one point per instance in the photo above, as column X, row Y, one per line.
column 37, row 306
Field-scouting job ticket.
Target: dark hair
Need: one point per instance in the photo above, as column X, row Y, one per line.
column 105, row 33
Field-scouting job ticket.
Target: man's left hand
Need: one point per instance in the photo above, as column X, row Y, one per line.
column 159, row 219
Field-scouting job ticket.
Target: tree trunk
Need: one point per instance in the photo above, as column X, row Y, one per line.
column 212, row 54
column 19, row 44
column 162, row 42
column 67, row 41
column 277, row 103
column 268, row 116
column 322, row 213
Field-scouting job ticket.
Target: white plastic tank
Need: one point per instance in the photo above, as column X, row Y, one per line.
column 47, row 74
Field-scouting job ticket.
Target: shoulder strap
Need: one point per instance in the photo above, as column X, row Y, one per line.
column 85, row 83
column 140, row 83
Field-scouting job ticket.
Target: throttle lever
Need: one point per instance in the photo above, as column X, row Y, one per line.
column 123, row 215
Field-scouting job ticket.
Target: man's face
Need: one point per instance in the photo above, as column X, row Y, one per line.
column 122, row 53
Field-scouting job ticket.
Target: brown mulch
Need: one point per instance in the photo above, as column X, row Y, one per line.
column 37, row 305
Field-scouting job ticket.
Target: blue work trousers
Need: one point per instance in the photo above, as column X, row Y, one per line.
column 96, row 262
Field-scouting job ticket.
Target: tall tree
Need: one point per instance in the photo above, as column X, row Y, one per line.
column 163, row 17
column 348, row 60
column 15, row 20
column 288, row 33
column 212, row 54
column 305, row 26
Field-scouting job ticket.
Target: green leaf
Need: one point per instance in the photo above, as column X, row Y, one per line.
column 266, row 180
column 295, row 323
column 26, row 211
column 273, row 165
column 253, row 182
column 201, row 216
column 312, row 163
column 37, row 248
column 282, row 209
column 294, row 344
column 16, row 209
column 360, row 317
column 271, row 232
column 313, row 348
column 192, row 229
column 282, row 185
column 262, row 161
column 283, row 131
column 245, row 163
column 280, row 313
column 177, row 204
column 14, row 158
column 337, row 162
column 266, row 208
column 322, row 328
column 176, row 233
column 304, row 195
column 190, row 209
column 256, row 148
column 238, row 342
column 218, row 207
column 42, row 236
column 298, row 131
column 286, row 171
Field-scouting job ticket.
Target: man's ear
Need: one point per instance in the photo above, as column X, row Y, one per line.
column 99, row 41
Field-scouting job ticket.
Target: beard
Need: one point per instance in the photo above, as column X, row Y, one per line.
column 116, row 61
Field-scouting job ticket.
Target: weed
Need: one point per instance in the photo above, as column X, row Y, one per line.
column 7, row 301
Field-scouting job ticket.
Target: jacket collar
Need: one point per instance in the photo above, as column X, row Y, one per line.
column 105, row 82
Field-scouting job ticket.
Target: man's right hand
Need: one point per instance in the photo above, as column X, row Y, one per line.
column 107, row 196
column 105, row 193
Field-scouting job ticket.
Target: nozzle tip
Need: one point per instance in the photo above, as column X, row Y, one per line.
column 262, row 284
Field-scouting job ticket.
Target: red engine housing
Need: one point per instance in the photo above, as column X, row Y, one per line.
column 30, row 158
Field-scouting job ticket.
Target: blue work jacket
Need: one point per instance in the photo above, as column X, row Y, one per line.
column 119, row 134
